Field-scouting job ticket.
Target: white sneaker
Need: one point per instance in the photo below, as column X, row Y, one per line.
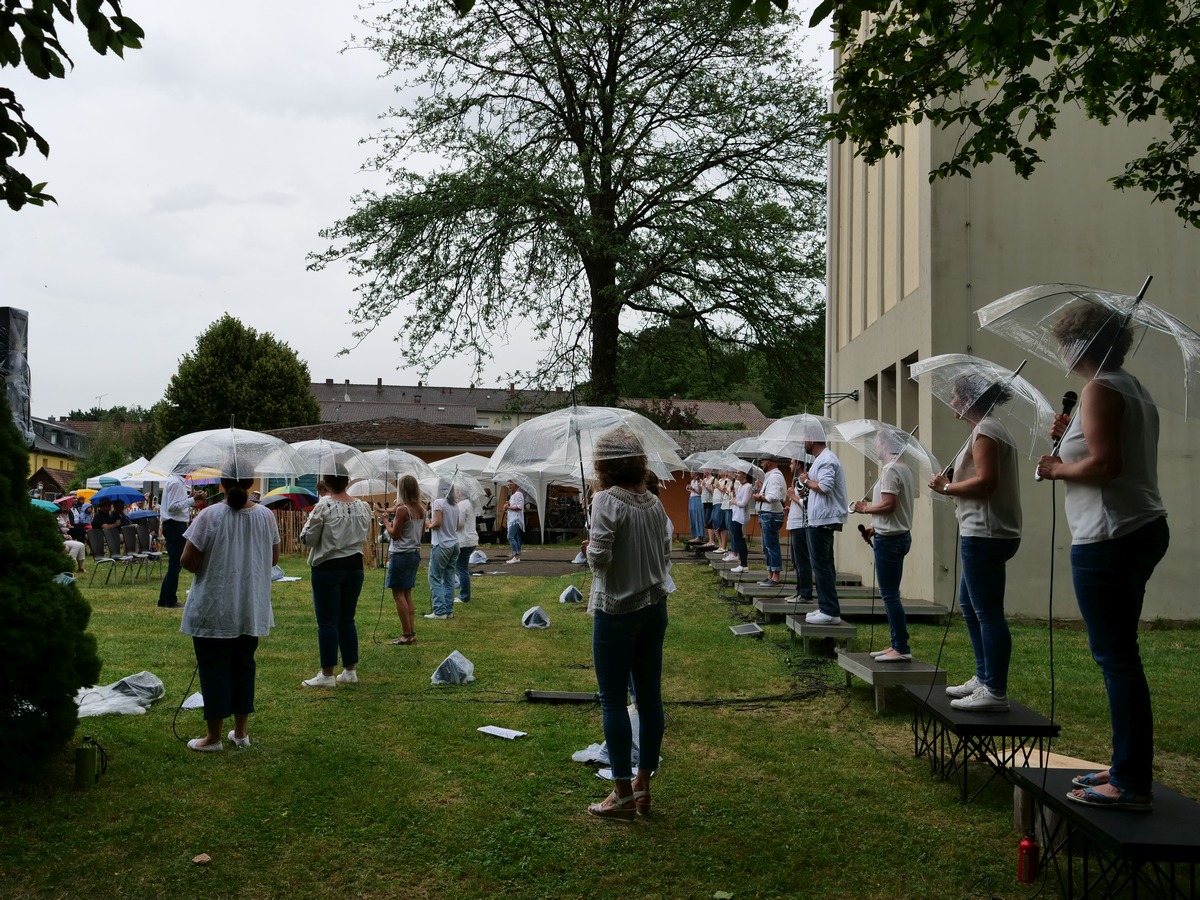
column 737, row 570
column 320, row 680
column 816, row 617
column 982, row 700
column 966, row 689
column 515, row 559
column 729, row 557
column 347, row 676
column 240, row 743
column 890, row 657
column 438, row 615
column 881, row 652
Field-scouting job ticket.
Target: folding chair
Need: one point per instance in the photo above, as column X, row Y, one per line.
column 112, row 537
column 146, row 546
column 95, row 539
column 130, row 536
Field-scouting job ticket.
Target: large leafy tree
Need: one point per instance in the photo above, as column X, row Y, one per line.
column 680, row 360
column 237, row 372
column 598, row 166
column 999, row 73
column 29, row 35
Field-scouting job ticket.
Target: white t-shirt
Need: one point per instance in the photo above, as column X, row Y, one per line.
column 447, row 532
column 231, row 594
column 468, row 536
column 896, row 478
column 997, row 515
column 741, row 503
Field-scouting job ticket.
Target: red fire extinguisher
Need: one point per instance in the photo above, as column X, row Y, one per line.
column 1027, row 860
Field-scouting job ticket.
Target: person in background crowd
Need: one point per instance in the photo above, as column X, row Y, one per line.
column 174, row 515
column 468, row 540
column 231, row 548
column 743, row 496
column 405, row 526
column 770, row 518
column 797, row 527
column 81, row 520
column 443, row 551
column 828, row 508
column 891, row 509
column 695, row 510
column 515, row 521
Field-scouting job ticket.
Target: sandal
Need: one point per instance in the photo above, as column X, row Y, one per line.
column 1094, row 779
column 1126, row 800
column 641, row 800
column 410, row 637
column 623, row 808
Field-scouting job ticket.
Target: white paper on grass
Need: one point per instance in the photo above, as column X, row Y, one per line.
column 196, row 701
column 597, row 754
column 501, row 732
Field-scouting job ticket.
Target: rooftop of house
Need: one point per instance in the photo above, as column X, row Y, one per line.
column 404, row 433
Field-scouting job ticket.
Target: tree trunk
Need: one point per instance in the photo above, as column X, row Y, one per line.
column 606, row 329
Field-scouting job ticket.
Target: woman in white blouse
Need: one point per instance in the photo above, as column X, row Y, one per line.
column 628, row 550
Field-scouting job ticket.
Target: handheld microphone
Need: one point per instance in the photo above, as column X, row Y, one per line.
column 1070, row 398
column 866, row 537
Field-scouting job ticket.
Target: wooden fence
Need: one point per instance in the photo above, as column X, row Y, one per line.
column 291, row 522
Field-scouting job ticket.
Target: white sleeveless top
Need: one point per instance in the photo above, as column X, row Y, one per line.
column 1107, row 511
column 997, row 515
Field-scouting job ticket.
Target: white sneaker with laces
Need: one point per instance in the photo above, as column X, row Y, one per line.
column 966, row 689
column 437, row 616
column 737, row 570
column 729, row 557
column 319, row 680
column 982, row 700
column 347, row 676
column 816, row 617
column 515, row 559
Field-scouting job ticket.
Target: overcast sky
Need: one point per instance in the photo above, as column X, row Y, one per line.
column 192, row 178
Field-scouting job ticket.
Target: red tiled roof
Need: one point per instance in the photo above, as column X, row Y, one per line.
column 339, row 411
column 407, row 434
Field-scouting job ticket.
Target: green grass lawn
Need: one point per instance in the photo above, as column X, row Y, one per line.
column 776, row 780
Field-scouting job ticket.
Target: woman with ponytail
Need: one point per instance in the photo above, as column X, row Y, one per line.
column 231, row 548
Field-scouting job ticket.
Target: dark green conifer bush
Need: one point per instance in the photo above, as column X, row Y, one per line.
column 47, row 654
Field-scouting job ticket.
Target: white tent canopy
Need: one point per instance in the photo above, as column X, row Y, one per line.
column 133, row 475
column 465, row 463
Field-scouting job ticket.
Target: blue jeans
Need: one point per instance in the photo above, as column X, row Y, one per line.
column 173, row 538
column 1110, row 583
column 739, row 543
column 820, row 552
column 624, row 646
column 890, row 550
column 804, row 575
column 981, row 596
column 516, row 537
column 335, row 599
column 464, row 573
column 442, row 561
column 770, row 523
column 695, row 516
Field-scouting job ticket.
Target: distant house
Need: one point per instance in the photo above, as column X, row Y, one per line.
column 424, row 439
column 56, row 445
column 493, row 408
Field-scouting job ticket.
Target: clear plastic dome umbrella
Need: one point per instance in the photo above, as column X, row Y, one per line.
column 230, row 452
column 885, row 444
column 799, row 429
column 324, row 457
column 1164, row 353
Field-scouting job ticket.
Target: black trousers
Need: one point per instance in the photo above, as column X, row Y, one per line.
column 226, row 675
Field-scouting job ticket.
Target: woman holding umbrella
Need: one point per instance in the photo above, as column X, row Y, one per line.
column 891, row 511
column 405, row 526
column 986, row 491
column 628, row 549
column 230, row 547
column 335, row 533
column 1108, row 458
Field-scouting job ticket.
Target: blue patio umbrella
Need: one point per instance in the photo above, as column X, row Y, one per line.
column 118, row 492
column 44, row 504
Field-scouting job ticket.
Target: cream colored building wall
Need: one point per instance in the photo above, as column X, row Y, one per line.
column 953, row 247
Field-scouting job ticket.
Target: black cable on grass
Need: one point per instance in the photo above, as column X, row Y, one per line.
column 187, row 693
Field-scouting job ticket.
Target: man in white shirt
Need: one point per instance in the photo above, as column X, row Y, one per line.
column 515, row 521
column 770, row 518
column 176, row 513
column 828, row 509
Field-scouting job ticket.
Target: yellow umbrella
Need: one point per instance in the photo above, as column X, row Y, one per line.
column 85, row 494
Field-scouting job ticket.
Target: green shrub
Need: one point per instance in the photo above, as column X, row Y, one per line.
column 47, row 654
